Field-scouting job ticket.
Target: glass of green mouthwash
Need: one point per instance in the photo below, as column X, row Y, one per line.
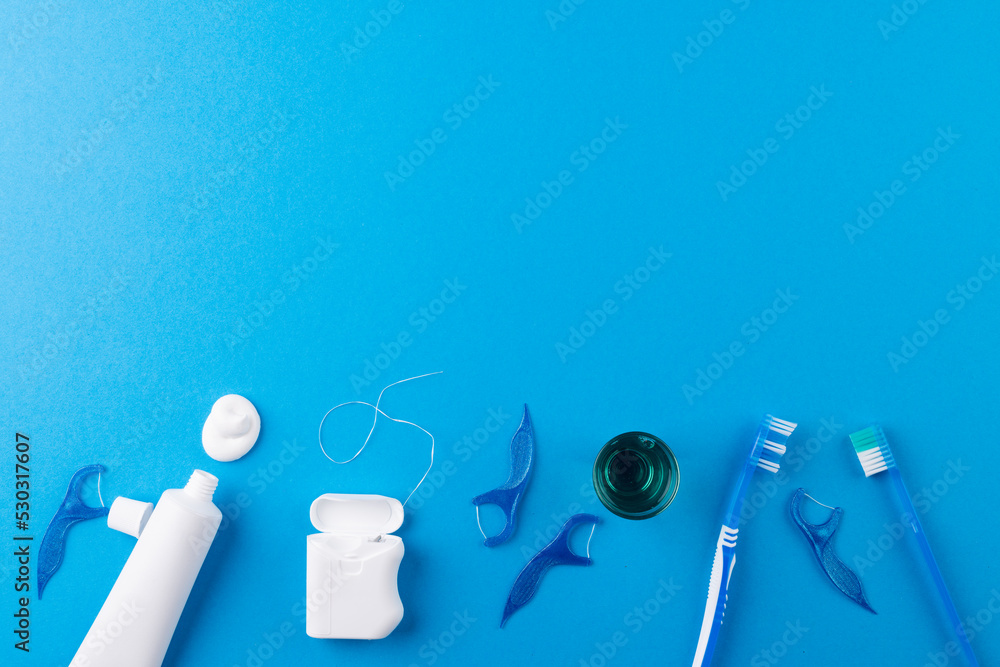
column 636, row 475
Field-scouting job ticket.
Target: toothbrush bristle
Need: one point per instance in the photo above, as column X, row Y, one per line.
column 872, row 450
column 772, row 440
column 782, row 426
column 768, row 465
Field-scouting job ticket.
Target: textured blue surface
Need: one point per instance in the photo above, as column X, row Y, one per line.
column 232, row 197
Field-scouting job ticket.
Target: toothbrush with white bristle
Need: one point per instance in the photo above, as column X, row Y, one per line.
column 768, row 446
column 875, row 456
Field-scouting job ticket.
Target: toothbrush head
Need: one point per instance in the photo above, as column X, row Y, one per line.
column 771, row 439
column 873, row 450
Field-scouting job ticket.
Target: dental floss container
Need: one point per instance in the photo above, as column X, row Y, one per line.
column 351, row 567
column 137, row 621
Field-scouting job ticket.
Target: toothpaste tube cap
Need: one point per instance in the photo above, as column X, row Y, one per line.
column 129, row 516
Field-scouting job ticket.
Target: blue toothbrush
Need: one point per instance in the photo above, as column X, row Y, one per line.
column 875, row 456
column 768, row 446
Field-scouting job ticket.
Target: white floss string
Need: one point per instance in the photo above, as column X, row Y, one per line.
column 480, row 524
column 817, row 502
column 378, row 411
column 99, row 489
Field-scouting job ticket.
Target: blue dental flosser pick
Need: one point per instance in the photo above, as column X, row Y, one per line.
column 557, row 552
column 73, row 510
column 821, row 538
column 507, row 496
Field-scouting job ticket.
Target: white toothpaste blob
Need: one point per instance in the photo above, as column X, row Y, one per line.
column 231, row 429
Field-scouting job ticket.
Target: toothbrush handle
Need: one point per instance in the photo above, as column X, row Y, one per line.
column 718, row 594
column 925, row 548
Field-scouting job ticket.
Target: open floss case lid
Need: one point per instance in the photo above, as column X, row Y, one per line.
column 356, row 514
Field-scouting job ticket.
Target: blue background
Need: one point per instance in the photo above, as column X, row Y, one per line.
column 169, row 176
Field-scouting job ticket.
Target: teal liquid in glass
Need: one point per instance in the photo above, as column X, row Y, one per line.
column 636, row 475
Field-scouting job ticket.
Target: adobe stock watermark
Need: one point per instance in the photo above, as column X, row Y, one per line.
column 225, row 10
column 796, row 457
column 453, row 117
column 899, row 16
column 625, row 287
column 562, row 12
column 434, row 648
column 914, row 168
column 120, row 110
column 923, row 501
column 65, row 335
column 957, row 298
column 419, row 321
column 143, row 426
column 103, row 638
column 581, row 159
column 34, row 23
column 263, row 308
column 464, row 450
column 752, row 330
column 319, row 597
column 364, row 34
column 140, row 431
column 696, row 44
column 786, row 127
column 271, row 642
column 635, row 620
column 258, row 481
column 972, row 626
column 248, row 149
column 542, row 536
column 773, row 654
